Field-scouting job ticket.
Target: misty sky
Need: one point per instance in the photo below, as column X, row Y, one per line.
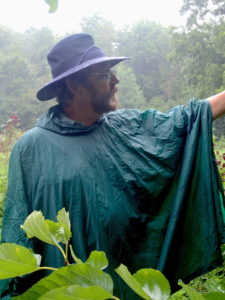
column 22, row 14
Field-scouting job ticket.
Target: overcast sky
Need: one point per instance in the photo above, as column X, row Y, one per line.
column 22, row 14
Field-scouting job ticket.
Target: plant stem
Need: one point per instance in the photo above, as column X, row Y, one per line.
column 75, row 258
column 63, row 253
column 67, row 245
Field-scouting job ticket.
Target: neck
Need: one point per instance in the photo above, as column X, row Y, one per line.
column 81, row 113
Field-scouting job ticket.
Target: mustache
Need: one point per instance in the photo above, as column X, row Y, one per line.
column 115, row 89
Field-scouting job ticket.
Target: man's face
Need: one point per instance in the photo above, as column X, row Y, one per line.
column 102, row 85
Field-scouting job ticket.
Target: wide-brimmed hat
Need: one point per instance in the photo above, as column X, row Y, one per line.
column 71, row 55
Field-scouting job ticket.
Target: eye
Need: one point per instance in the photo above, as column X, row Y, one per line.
column 104, row 75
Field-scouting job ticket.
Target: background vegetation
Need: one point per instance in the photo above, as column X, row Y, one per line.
column 168, row 66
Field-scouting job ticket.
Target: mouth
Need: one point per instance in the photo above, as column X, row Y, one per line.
column 114, row 91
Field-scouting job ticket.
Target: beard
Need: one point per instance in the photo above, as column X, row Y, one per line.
column 105, row 102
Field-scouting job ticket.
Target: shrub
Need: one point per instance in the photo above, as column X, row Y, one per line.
column 9, row 133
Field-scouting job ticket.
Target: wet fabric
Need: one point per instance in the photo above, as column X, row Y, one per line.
column 141, row 186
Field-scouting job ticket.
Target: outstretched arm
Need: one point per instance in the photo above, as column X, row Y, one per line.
column 217, row 103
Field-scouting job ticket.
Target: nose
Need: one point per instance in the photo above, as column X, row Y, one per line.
column 114, row 79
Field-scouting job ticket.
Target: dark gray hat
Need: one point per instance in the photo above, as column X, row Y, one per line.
column 71, row 55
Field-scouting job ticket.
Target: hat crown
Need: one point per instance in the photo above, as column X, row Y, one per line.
column 71, row 51
column 71, row 55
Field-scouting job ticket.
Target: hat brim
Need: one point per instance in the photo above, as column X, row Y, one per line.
column 47, row 92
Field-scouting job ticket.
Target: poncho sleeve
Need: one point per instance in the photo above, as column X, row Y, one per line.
column 193, row 202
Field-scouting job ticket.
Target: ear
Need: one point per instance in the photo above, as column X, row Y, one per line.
column 76, row 88
column 72, row 86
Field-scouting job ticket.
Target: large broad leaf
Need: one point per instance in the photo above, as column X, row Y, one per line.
column 77, row 292
column 59, row 232
column 193, row 295
column 53, row 5
column 132, row 282
column 46, row 230
column 35, row 226
column 153, row 283
column 63, row 217
column 16, row 261
column 76, row 259
column 214, row 296
column 78, row 274
column 97, row 259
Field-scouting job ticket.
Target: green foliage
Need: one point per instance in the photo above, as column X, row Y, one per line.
column 98, row 260
column 46, row 230
column 103, row 32
column 213, row 295
column 148, row 44
column 167, row 66
column 53, row 5
column 3, row 182
column 16, row 260
column 198, row 10
column 83, row 275
column 147, row 283
column 23, row 69
column 9, row 133
column 191, row 292
column 82, row 280
column 130, row 93
column 219, row 147
column 77, row 292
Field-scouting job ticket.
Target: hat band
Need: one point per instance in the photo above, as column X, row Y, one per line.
column 90, row 54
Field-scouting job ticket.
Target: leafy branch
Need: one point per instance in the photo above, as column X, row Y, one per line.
column 80, row 280
column 53, row 4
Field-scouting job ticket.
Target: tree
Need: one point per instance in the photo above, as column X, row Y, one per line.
column 148, row 44
column 23, row 69
column 200, row 10
column 130, row 93
column 103, row 32
column 198, row 65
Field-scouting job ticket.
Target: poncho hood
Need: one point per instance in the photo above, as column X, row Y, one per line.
column 52, row 120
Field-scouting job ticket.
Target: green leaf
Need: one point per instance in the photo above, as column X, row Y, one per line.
column 46, row 230
column 154, row 283
column 78, row 274
column 76, row 259
column 217, row 286
column 35, row 226
column 63, row 217
column 194, row 295
column 16, row 261
column 97, row 259
column 77, row 292
column 59, row 231
column 214, row 296
column 132, row 282
column 53, row 5
column 223, row 246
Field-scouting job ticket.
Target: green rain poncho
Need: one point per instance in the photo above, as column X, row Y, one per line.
column 141, row 186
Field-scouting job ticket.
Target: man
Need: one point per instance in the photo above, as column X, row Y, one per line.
column 141, row 186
